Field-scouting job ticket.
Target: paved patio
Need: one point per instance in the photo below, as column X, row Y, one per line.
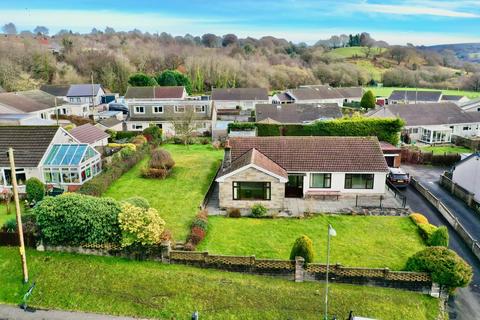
column 297, row 206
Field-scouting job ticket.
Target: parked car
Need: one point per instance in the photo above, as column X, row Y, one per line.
column 118, row 107
column 398, row 177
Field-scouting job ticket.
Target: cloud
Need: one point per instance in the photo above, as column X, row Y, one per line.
column 415, row 9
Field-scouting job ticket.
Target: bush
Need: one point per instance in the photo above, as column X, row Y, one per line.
column 439, row 237
column 202, row 214
column 303, row 247
column 444, row 265
column 368, row 100
column 140, row 225
column 126, row 153
column 139, row 202
column 161, row 159
column 153, row 134
column 154, row 173
column 419, row 218
column 126, row 134
column 234, row 213
column 131, row 146
column 199, row 223
column 10, row 225
column 35, row 190
column 259, row 210
column 426, row 230
column 75, row 219
column 197, row 234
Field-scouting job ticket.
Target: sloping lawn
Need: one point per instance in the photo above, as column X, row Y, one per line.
column 360, row 242
column 442, row 150
column 149, row 289
column 176, row 198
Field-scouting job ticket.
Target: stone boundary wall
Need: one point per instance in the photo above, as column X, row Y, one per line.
column 471, row 242
column 460, row 192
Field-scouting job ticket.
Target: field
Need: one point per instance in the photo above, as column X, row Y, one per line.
column 442, row 150
column 350, row 52
column 386, row 91
column 154, row 290
column 360, row 241
column 178, row 197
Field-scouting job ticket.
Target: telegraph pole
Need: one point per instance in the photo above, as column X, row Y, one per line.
column 93, row 99
column 23, row 255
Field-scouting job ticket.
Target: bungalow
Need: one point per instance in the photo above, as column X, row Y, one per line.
column 466, row 173
column 110, row 124
column 238, row 98
column 57, row 90
column 85, row 94
column 457, row 99
column 267, row 169
column 295, row 113
column 471, row 106
column 48, row 153
column 414, row 96
column 432, row 123
column 91, row 135
column 162, row 106
column 349, row 94
column 16, row 103
column 311, row 94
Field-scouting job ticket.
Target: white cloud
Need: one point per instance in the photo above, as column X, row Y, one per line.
column 415, row 9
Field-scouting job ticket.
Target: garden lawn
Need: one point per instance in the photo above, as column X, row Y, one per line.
column 360, row 242
column 386, row 91
column 154, row 290
column 3, row 212
column 178, row 197
column 442, row 150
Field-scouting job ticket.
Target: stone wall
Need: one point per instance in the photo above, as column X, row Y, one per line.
column 251, row 175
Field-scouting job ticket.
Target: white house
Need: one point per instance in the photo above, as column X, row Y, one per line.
column 266, row 170
column 85, row 94
column 466, row 173
column 414, row 96
column 238, row 98
column 48, row 153
column 471, row 106
column 310, row 94
column 432, row 123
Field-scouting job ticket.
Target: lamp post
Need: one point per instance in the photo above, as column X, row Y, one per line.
column 331, row 233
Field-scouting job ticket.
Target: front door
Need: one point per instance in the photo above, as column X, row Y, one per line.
column 294, row 186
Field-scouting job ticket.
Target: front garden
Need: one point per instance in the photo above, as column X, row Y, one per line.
column 361, row 241
column 153, row 290
column 446, row 149
column 177, row 197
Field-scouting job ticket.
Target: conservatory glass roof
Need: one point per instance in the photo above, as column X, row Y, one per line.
column 69, row 154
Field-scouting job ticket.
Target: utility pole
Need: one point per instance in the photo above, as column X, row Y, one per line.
column 18, row 214
column 93, row 99
column 56, row 109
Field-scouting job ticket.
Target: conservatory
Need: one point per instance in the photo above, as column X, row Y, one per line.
column 70, row 164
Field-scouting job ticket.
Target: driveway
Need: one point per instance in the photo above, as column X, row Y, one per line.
column 465, row 304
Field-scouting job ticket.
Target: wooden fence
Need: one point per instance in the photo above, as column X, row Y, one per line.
column 420, row 157
column 11, row 239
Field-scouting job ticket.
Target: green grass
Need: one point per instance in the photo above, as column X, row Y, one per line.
column 3, row 212
column 371, row 69
column 149, row 289
column 176, row 198
column 349, row 52
column 386, row 91
column 360, row 241
column 442, row 150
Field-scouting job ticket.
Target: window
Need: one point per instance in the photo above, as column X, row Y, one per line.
column 72, row 99
column 79, row 100
column 251, row 190
column 179, row 109
column 467, row 128
column 157, row 109
column 137, row 126
column 200, row 109
column 21, row 177
column 139, row 109
column 359, row 181
column 320, row 180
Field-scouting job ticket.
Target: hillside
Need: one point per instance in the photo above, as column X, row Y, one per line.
column 464, row 51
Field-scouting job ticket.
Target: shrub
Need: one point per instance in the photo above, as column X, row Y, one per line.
column 122, row 145
column 140, row 226
column 418, row 218
column 74, row 219
column 126, row 153
column 439, row 237
column 139, row 140
column 203, row 215
column 426, row 230
column 199, row 223
column 35, row 190
column 139, row 202
column 303, row 247
column 259, row 210
column 153, row 134
column 444, row 265
column 204, row 141
column 154, row 173
column 166, row 235
column 126, row 134
column 161, row 159
column 368, row 100
column 10, row 225
column 234, row 213
column 112, row 133
column 197, row 234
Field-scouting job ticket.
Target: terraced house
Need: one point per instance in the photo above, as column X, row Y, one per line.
column 162, row 106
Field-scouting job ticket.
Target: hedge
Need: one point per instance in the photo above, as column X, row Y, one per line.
column 385, row 129
column 241, row 126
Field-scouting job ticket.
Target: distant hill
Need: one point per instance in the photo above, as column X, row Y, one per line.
column 464, row 51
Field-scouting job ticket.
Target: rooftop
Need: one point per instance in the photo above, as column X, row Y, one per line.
column 156, row 92
column 235, row 94
column 297, row 113
column 56, row 90
column 414, row 95
column 315, row 93
column 18, row 103
column 83, row 90
column 88, row 133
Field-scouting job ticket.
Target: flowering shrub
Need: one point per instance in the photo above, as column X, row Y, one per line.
column 418, row 218
column 198, row 230
column 140, row 226
column 139, row 140
column 131, row 146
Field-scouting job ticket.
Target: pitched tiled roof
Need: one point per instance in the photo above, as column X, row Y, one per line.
column 235, row 94
column 427, row 113
column 109, row 122
column 139, row 93
column 56, row 90
column 21, row 103
column 40, row 96
column 451, row 97
column 350, row 92
column 29, row 143
column 253, row 156
column 83, row 90
column 315, row 93
column 411, row 95
column 88, row 133
column 154, row 92
column 297, row 113
column 317, row 154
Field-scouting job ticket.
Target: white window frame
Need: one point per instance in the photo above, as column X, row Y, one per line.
column 138, row 112
column 153, row 109
column 202, row 110
column 177, row 107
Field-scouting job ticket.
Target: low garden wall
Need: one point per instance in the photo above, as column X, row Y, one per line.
column 459, row 192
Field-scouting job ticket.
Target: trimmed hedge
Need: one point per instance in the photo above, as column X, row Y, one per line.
column 241, row 126
column 303, row 247
column 385, row 129
column 439, row 237
column 418, row 218
column 35, row 190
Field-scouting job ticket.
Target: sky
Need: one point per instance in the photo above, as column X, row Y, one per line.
column 421, row 22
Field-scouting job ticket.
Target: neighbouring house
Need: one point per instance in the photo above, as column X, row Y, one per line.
column 457, row 99
column 85, row 94
column 165, row 106
column 23, row 119
column 466, row 174
column 311, row 94
column 58, row 90
column 11, row 102
column 471, row 106
column 238, row 98
column 110, row 124
column 296, row 113
column 266, row 170
column 392, row 154
column 48, row 153
column 349, row 94
column 432, row 123
column 88, row 133
column 414, row 96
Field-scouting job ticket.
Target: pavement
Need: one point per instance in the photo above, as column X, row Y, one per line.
column 8, row 312
column 465, row 304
